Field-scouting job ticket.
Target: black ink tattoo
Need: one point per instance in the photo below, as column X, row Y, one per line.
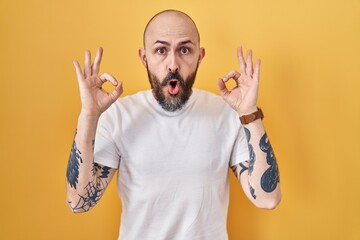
column 243, row 169
column 270, row 178
column 96, row 168
column 251, row 152
column 252, row 191
column 72, row 172
column 93, row 190
column 105, row 170
column 251, row 161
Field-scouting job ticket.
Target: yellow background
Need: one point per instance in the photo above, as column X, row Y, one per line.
column 310, row 51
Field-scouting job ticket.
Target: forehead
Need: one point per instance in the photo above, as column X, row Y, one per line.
column 171, row 26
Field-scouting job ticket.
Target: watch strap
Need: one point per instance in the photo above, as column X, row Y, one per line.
column 246, row 119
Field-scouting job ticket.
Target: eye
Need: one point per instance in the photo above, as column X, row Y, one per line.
column 184, row 50
column 161, row 50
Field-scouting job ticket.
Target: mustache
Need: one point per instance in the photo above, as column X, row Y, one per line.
column 171, row 76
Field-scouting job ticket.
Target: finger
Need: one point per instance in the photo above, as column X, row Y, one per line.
column 249, row 67
column 117, row 92
column 232, row 74
column 257, row 70
column 97, row 61
column 241, row 60
column 222, row 87
column 78, row 70
column 108, row 77
column 87, row 64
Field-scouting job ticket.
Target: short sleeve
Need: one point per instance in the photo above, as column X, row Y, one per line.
column 240, row 150
column 105, row 150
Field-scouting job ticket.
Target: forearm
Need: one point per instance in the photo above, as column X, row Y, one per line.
column 259, row 176
column 81, row 175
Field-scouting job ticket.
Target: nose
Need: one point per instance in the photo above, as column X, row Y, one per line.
column 173, row 63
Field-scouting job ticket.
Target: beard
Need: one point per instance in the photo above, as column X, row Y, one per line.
column 172, row 102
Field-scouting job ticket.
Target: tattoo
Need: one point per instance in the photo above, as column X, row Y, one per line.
column 93, row 190
column 251, row 152
column 72, row 172
column 105, row 170
column 270, row 178
column 252, row 191
column 243, row 169
column 248, row 134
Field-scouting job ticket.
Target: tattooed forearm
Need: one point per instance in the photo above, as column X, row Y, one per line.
column 75, row 159
column 249, row 164
column 89, row 179
column 72, row 172
column 270, row 178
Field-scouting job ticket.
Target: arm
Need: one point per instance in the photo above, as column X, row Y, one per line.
column 86, row 180
column 259, row 177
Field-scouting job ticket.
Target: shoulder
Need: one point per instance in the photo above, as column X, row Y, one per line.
column 212, row 105
column 205, row 93
column 212, row 101
column 127, row 105
column 130, row 101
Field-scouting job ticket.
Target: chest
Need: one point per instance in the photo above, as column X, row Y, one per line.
column 195, row 147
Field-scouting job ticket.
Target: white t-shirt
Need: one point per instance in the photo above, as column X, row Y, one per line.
column 173, row 166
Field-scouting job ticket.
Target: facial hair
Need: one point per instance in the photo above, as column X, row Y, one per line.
column 172, row 103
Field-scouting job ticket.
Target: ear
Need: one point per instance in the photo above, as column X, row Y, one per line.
column 201, row 54
column 142, row 56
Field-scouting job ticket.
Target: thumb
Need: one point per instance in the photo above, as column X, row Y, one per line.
column 222, row 87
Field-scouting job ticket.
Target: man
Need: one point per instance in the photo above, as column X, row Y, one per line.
column 172, row 145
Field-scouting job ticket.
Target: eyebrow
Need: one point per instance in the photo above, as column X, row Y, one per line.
column 168, row 44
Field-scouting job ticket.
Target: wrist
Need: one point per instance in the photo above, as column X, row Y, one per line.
column 86, row 113
column 85, row 116
column 246, row 111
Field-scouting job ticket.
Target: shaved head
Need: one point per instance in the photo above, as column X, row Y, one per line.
column 170, row 20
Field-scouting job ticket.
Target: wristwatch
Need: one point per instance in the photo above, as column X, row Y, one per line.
column 245, row 119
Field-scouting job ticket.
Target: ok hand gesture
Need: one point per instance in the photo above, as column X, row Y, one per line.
column 94, row 99
column 243, row 97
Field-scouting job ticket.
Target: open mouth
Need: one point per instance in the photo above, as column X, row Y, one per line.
column 173, row 86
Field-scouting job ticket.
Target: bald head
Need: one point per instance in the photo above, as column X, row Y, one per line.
column 170, row 23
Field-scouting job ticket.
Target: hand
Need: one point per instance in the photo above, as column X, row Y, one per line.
column 243, row 97
column 94, row 99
